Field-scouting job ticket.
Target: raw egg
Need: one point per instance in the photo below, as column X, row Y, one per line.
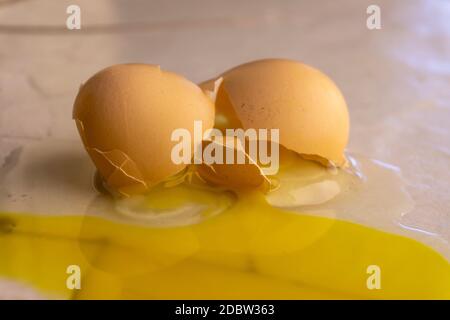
column 126, row 114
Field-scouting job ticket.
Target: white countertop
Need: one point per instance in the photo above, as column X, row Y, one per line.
column 396, row 80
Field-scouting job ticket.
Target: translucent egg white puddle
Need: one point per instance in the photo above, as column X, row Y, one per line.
column 164, row 207
column 369, row 191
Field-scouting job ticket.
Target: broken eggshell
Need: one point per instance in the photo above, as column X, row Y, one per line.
column 125, row 115
column 302, row 102
column 243, row 174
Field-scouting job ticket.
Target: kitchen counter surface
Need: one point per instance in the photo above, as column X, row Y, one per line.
column 396, row 81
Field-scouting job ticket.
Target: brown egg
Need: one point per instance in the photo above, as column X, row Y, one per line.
column 302, row 102
column 126, row 114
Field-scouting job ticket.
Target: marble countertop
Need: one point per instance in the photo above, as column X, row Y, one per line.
column 396, row 79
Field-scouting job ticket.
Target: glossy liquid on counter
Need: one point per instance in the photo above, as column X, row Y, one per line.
column 190, row 240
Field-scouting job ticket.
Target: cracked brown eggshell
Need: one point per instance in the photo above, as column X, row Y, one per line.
column 125, row 115
column 302, row 102
column 237, row 176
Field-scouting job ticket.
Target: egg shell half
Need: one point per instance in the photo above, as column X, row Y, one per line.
column 126, row 114
column 302, row 102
